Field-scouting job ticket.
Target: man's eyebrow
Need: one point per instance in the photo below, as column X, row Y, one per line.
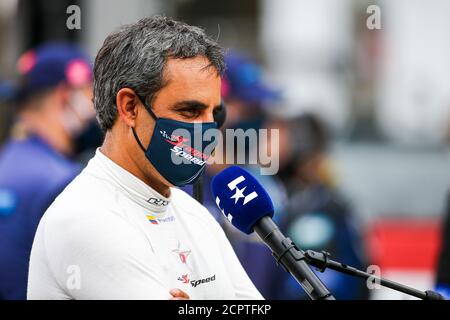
column 190, row 104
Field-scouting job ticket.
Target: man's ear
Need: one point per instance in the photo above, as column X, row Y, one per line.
column 127, row 106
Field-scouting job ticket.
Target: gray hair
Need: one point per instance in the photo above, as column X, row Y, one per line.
column 135, row 56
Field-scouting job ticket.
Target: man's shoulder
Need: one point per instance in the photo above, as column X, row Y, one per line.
column 85, row 197
column 86, row 192
column 85, row 212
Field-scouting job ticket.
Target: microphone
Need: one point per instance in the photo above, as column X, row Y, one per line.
column 248, row 207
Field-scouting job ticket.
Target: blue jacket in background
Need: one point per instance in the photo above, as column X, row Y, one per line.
column 32, row 174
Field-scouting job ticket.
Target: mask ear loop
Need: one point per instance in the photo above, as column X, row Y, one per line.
column 137, row 139
column 147, row 107
column 152, row 114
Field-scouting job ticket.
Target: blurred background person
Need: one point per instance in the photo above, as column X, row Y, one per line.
column 316, row 216
column 53, row 109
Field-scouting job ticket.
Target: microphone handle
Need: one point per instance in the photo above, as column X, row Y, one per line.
column 291, row 258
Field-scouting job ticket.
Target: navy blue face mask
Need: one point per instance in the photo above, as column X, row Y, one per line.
column 165, row 147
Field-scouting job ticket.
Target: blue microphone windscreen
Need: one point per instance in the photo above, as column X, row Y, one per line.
column 241, row 198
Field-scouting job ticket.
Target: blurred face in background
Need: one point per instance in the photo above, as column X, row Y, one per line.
column 305, row 144
column 58, row 115
column 242, row 114
column 78, row 110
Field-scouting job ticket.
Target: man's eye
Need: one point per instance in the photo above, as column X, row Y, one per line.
column 190, row 113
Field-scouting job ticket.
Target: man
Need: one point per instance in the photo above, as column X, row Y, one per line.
column 121, row 230
column 316, row 216
column 53, row 108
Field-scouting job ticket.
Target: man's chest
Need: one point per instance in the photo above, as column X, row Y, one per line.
column 189, row 256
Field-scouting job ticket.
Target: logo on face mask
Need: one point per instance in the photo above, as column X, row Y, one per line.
column 182, row 149
column 180, row 164
column 171, row 139
column 181, row 153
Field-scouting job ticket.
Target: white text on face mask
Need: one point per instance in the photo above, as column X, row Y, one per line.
column 179, row 152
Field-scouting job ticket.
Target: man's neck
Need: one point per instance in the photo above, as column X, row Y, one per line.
column 123, row 159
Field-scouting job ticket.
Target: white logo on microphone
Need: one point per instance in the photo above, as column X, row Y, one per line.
column 240, row 192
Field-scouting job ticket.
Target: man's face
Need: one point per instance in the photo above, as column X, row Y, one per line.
column 191, row 94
